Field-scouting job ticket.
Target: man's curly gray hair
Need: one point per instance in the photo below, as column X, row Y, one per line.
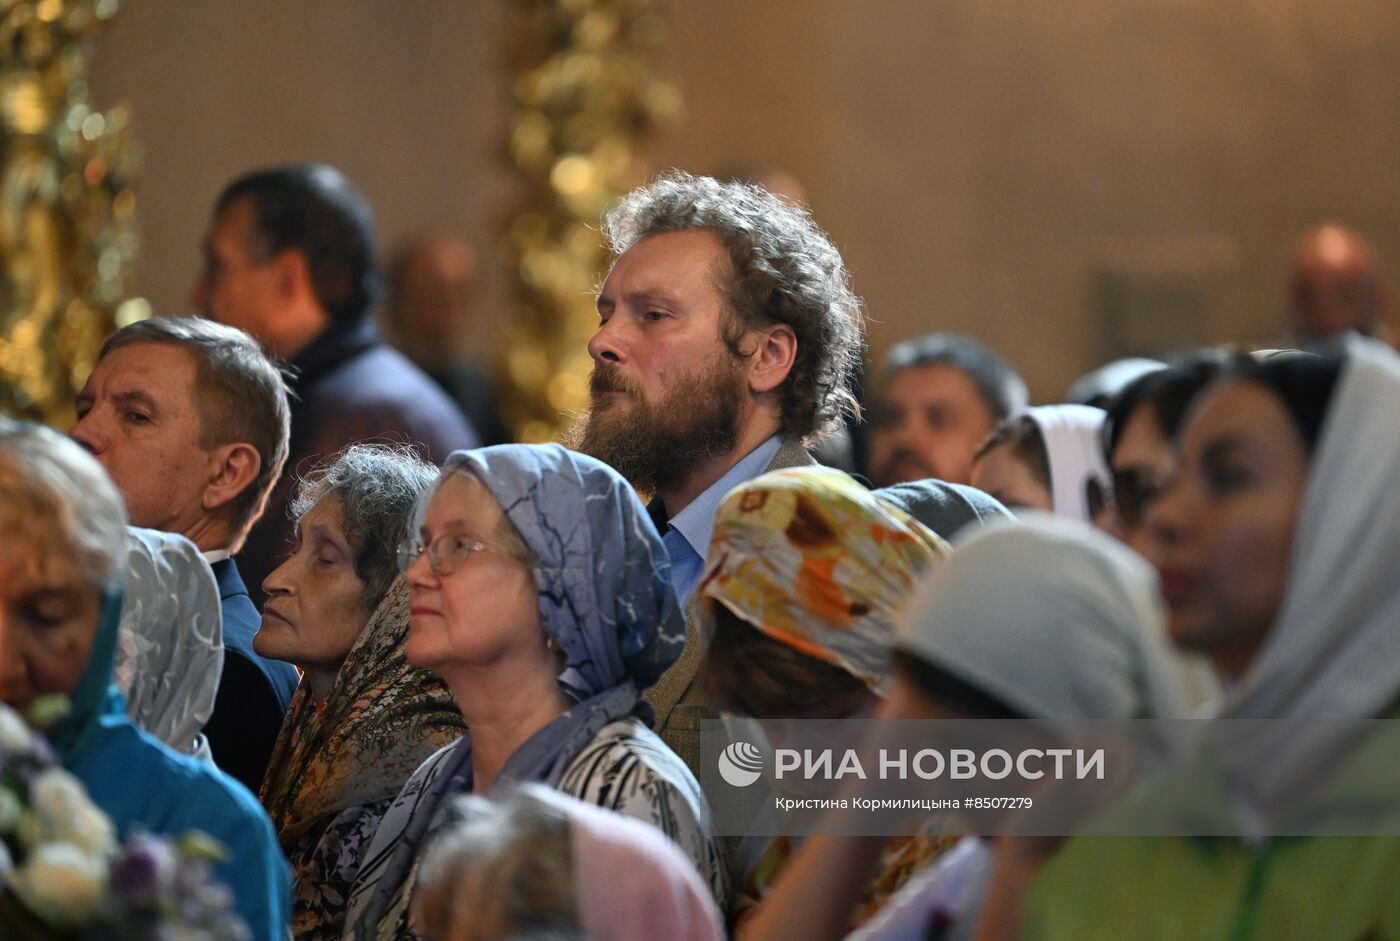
column 783, row 269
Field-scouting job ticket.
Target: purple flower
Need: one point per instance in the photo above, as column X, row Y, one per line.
column 143, row 871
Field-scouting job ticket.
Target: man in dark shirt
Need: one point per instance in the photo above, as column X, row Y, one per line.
column 290, row 258
column 190, row 418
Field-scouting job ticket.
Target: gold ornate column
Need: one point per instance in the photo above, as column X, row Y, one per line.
column 66, row 207
column 584, row 97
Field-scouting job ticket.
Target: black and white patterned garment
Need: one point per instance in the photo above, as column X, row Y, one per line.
column 626, row 768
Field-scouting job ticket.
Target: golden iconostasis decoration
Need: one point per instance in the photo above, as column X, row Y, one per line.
column 67, row 235
column 584, row 97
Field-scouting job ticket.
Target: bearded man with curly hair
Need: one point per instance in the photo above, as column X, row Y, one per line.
column 728, row 335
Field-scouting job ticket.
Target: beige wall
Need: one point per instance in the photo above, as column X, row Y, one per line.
column 983, row 163
column 406, row 98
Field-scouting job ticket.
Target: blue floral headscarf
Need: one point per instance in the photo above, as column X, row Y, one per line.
column 601, row 571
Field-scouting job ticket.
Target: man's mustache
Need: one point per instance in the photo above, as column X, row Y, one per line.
column 608, row 378
column 903, row 456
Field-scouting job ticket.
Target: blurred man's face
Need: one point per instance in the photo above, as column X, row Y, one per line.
column 432, row 291
column 1336, row 286
column 138, row 415
column 235, row 287
column 1329, row 301
column 928, row 423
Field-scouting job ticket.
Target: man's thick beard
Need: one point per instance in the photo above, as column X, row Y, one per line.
column 656, row 445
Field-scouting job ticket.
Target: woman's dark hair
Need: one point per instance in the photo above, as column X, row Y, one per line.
column 951, row 690
column 1169, row 392
column 749, row 673
column 1303, row 382
column 1027, row 443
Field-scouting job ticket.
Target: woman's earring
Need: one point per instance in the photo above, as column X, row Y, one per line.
column 549, row 644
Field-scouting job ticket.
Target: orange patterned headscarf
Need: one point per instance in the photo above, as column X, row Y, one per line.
column 814, row 560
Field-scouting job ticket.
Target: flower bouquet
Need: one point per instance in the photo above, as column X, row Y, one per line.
column 65, row 877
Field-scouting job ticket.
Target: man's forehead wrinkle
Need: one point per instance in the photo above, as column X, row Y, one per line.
column 651, row 294
column 152, row 376
column 137, row 395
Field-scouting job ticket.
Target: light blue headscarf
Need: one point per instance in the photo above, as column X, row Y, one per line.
column 601, row 570
column 606, row 599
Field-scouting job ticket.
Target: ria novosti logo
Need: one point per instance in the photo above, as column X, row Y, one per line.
column 741, row 764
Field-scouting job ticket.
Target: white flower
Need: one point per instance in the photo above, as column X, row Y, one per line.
column 66, row 814
column 60, row 883
column 15, row 736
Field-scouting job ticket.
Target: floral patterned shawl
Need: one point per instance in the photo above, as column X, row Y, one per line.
column 337, row 765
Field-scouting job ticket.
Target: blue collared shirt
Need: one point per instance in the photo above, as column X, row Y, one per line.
column 688, row 533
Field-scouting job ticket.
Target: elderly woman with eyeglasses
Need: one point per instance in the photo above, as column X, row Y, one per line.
column 541, row 593
column 363, row 717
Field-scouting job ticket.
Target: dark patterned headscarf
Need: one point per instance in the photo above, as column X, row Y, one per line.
column 378, row 723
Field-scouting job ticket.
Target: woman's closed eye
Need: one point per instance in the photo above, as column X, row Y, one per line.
column 328, row 554
column 48, row 610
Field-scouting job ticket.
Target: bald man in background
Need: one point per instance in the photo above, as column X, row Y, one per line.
column 1336, row 287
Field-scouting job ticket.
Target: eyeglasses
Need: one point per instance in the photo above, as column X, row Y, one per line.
column 446, row 554
column 1133, row 492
